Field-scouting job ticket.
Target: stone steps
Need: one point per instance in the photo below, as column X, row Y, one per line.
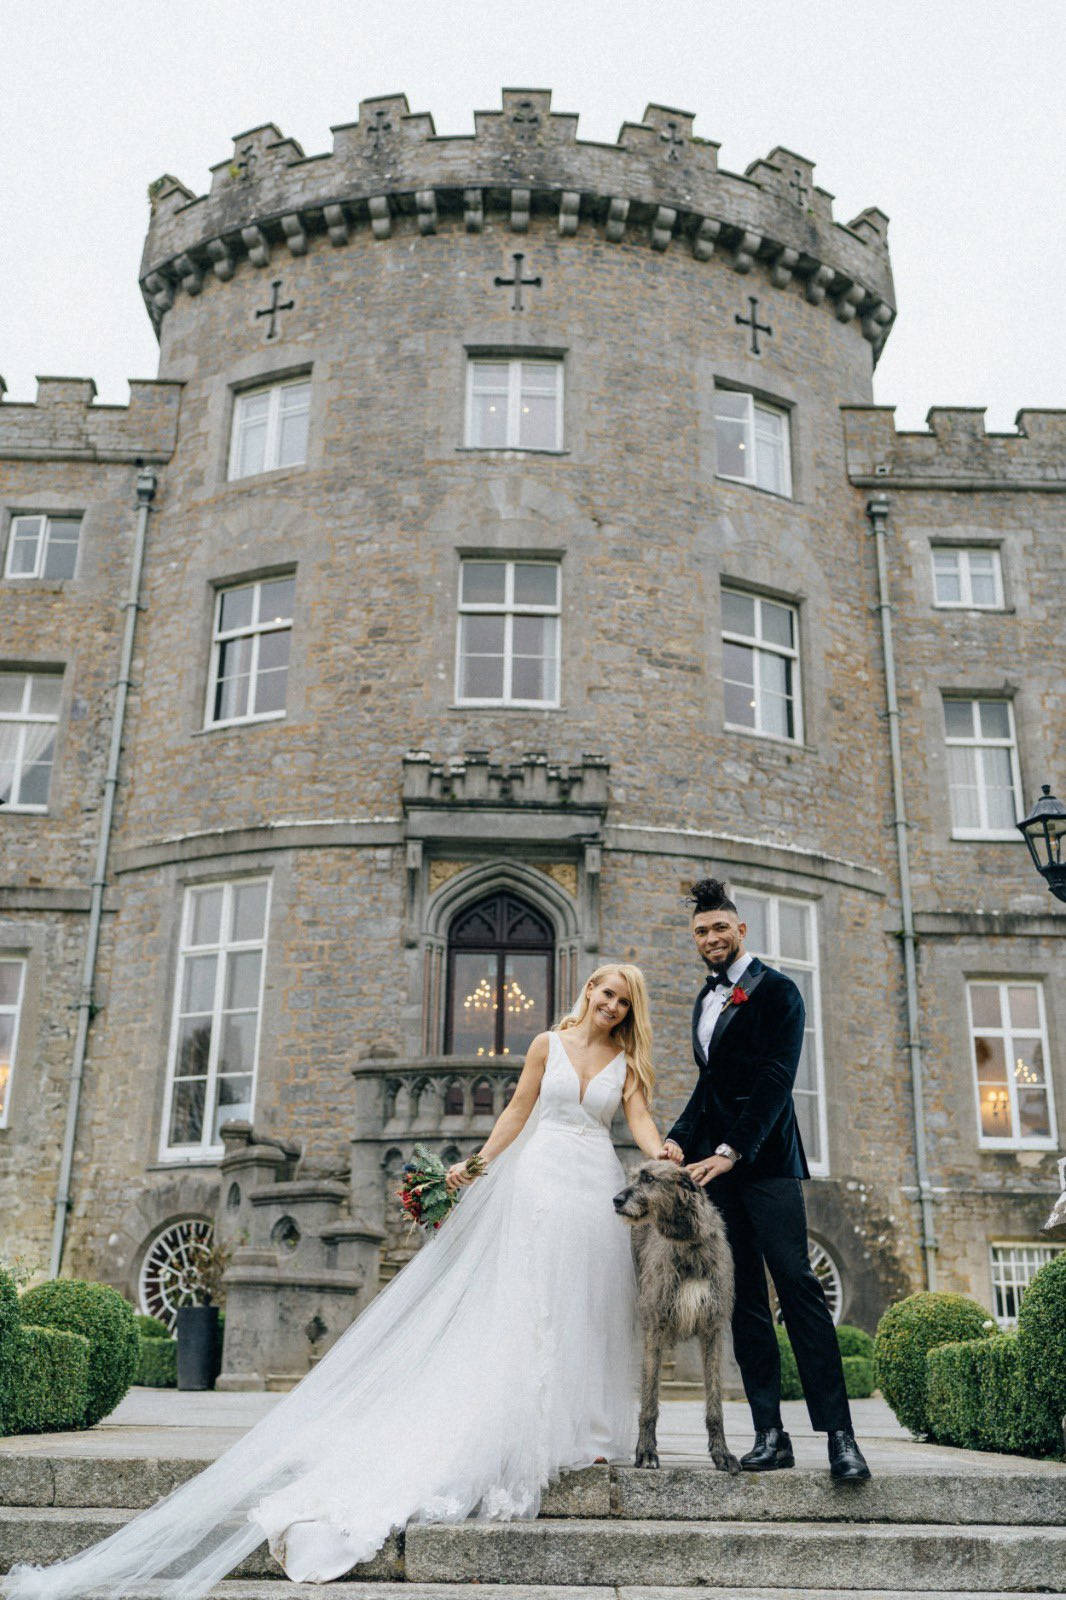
column 249, row 1589
column 686, row 1493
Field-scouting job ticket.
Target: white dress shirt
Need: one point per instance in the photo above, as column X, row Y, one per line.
column 714, row 1000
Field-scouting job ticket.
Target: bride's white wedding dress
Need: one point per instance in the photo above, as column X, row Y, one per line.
column 503, row 1353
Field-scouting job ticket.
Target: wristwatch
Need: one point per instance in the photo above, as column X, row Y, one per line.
column 728, row 1151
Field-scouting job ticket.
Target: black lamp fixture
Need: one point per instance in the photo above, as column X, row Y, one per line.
column 1044, row 830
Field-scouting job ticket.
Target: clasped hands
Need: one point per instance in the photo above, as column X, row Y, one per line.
column 703, row 1172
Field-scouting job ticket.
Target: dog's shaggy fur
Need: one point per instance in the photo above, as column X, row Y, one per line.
column 684, row 1290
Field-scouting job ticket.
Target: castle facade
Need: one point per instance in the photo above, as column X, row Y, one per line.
column 508, row 540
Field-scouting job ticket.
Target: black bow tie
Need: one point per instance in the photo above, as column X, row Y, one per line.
column 717, row 980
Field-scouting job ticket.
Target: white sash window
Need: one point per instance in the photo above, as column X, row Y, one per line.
column 514, row 405
column 270, row 428
column 752, row 441
column 986, row 798
column 1008, row 1036
column 760, row 665
column 29, row 718
column 508, row 641
column 43, row 547
column 12, row 985
column 969, row 579
column 250, row 657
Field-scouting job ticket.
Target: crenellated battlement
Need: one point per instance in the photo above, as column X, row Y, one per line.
column 956, row 452
column 389, row 171
column 64, row 422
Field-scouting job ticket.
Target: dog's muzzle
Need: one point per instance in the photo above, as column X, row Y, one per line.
column 628, row 1206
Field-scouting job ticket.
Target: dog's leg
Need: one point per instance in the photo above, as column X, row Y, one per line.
column 723, row 1459
column 647, row 1454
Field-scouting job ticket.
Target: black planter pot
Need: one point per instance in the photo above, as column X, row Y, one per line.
column 199, row 1347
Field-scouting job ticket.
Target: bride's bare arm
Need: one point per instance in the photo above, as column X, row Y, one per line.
column 513, row 1118
column 641, row 1122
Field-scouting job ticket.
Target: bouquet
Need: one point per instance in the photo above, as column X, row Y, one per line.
column 425, row 1195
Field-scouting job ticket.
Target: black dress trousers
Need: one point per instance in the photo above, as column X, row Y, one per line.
column 766, row 1222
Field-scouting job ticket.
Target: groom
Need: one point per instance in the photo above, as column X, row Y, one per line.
column 739, row 1131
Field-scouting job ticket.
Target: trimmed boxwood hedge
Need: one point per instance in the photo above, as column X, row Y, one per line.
column 10, row 1322
column 157, row 1363
column 106, row 1320
column 1042, row 1348
column 151, row 1327
column 791, row 1388
column 854, row 1342
column 858, row 1376
column 905, row 1334
column 51, row 1381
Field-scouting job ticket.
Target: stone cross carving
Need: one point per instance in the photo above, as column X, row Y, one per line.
column 798, row 186
column 754, row 324
column 381, row 125
column 673, row 141
column 516, row 282
column 274, row 307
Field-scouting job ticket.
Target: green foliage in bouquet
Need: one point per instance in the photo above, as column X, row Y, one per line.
column 425, row 1195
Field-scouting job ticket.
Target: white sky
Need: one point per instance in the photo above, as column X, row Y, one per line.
column 948, row 114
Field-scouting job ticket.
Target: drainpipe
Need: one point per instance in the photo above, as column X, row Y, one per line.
column 146, row 486
column 877, row 512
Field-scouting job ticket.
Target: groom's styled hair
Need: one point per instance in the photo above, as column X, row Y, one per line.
column 709, row 895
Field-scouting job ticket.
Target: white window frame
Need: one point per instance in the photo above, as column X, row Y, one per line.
column 782, row 417
column 819, row 1168
column 273, row 432
column 966, row 602
column 44, row 521
column 758, row 645
column 15, row 1011
column 1013, row 1264
column 513, row 366
column 205, row 1150
column 979, row 742
column 508, row 609
column 24, row 719
column 254, row 631
column 1012, row 1141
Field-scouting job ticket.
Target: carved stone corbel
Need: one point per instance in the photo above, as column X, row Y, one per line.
column 426, row 203
column 257, row 246
column 569, row 209
column 337, row 223
column 380, row 217
column 222, row 263
column 617, row 213
column 662, row 229
column 817, row 285
column 295, row 237
column 705, row 239
column 744, row 252
column 192, row 279
column 473, row 210
column 521, row 200
column 783, row 268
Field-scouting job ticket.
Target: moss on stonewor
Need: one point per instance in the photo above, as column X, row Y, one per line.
column 157, row 1363
column 1042, row 1349
column 51, row 1381
column 106, row 1320
column 906, row 1333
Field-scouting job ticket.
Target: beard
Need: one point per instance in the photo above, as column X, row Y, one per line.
column 725, row 961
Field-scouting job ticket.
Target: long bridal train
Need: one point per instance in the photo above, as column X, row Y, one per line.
column 503, row 1353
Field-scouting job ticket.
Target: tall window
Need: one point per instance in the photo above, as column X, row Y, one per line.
column 785, row 932
column 12, row 981
column 967, row 578
column 508, row 647
column 1014, row 1266
column 986, row 796
column 514, row 405
column 270, row 428
column 29, row 715
column 760, row 665
column 1008, row 1034
column 250, row 659
column 215, row 1038
column 43, row 547
column 500, row 991
column 752, row 441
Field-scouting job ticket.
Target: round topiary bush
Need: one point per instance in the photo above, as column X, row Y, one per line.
column 906, row 1332
column 791, row 1388
column 854, row 1342
column 1042, row 1347
column 151, row 1327
column 858, row 1376
column 105, row 1319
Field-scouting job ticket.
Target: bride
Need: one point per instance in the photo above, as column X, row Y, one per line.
column 505, row 1352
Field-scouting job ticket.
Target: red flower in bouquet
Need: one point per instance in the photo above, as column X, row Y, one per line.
column 738, row 997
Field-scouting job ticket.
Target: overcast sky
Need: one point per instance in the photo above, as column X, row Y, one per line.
column 948, row 114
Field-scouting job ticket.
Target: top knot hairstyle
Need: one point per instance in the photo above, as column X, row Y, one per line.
column 709, row 895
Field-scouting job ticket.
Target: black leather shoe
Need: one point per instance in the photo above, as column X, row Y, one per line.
column 771, row 1451
column 845, row 1458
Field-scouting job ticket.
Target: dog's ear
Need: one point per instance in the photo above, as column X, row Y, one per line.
column 686, row 1181
column 682, row 1220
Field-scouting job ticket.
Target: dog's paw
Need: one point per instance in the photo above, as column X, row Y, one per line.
column 727, row 1462
column 646, row 1458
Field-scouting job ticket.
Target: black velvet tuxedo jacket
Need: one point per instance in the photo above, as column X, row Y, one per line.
column 744, row 1094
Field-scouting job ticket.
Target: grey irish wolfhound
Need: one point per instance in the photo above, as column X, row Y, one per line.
column 684, row 1290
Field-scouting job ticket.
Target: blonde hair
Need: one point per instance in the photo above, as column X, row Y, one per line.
column 633, row 1032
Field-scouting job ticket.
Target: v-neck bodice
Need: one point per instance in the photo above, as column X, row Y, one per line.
column 561, row 1101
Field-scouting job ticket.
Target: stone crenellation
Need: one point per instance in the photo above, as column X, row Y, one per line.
column 956, row 450
column 389, row 171
column 533, row 781
column 63, row 422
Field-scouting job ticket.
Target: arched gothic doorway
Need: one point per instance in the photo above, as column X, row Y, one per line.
column 500, row 992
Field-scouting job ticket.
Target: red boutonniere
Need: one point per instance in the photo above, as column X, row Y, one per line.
column 738, row 997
